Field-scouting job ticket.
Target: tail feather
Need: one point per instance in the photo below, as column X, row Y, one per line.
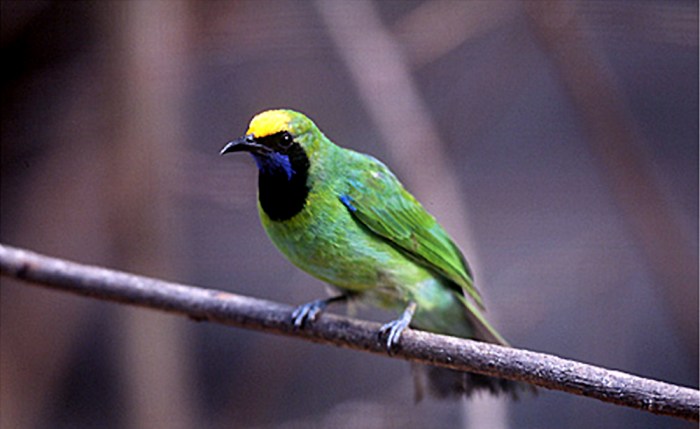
column 445, row 382
column 448, row 383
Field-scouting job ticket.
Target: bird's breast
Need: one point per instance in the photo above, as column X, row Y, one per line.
column 324, row 240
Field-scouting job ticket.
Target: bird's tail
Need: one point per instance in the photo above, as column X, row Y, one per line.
column 449, row 383
column 445, row 382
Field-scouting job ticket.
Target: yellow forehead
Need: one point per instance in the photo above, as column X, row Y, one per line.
column 269, row 122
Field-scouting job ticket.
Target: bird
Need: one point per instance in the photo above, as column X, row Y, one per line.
column 343, row 217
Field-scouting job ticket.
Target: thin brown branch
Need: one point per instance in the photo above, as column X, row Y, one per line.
column 540, row 369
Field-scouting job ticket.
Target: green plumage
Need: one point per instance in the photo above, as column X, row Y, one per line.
column 344, row 218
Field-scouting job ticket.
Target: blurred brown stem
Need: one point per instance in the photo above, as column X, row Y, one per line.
column 615, row 140
column 540, row 369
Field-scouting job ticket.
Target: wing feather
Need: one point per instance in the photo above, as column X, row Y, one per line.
column 378, row 200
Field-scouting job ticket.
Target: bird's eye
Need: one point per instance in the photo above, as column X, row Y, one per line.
column 286, row 140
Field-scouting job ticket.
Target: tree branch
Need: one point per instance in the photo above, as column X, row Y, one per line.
column 540, row 369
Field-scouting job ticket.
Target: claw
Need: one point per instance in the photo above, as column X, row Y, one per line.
column 393, row 330
column 308, row 312
column 311, row 310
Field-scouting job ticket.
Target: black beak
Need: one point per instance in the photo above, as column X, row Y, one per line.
column 244, row 144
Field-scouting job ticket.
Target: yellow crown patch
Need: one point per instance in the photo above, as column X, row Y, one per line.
column 269, row 122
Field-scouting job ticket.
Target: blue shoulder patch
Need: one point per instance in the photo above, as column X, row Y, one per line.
column 347, row 201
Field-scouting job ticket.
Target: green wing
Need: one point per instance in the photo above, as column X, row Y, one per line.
column 378, row 200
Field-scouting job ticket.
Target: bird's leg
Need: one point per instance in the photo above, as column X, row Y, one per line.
column 395, row 328
column 310, row 311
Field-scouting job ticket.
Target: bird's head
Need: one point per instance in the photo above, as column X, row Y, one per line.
column 279, row 140
column 282, row 142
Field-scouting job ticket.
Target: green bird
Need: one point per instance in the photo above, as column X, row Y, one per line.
column 344, row 217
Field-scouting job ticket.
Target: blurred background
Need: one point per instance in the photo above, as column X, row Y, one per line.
column 557, row 141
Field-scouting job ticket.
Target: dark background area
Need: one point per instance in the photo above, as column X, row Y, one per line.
column 556, row 140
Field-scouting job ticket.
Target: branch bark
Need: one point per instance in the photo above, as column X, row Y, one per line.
column 543, row 370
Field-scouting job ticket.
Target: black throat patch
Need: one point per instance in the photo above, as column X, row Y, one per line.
column 283, row 177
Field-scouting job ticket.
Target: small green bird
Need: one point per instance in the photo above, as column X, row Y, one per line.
column 343, row 217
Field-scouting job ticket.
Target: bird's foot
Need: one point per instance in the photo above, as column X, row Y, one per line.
column 311, row 310
column 393, row 330
column 308, row 312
